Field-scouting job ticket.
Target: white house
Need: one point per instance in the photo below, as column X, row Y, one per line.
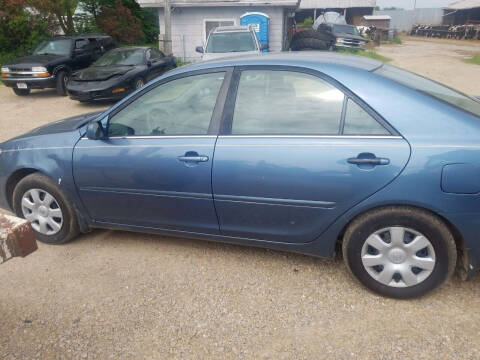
column 193, row 19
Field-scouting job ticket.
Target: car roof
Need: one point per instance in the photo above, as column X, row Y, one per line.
column 80, row 36
column 231, row 29
column 307, row 59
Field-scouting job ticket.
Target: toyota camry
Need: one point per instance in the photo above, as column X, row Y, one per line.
column 312, row 153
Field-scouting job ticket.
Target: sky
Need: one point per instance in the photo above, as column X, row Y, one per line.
column 408, row 4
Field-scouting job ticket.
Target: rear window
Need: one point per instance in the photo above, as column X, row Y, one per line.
column 431, row 88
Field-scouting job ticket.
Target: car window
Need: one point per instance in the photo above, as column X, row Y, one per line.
column 179, row 107
column 155, row 54
column 285, row 102
column 126, row 56
column 431, row 88
column 81, row 44
column 212, row 24
column 53, row 47
column 231, row 42
column 359, row 122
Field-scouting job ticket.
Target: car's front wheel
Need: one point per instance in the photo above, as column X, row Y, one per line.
column 61, row 83
column 399, row 252
column 138, row 83
column 39, row 200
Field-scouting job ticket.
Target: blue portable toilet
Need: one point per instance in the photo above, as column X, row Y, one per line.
column 261, row 24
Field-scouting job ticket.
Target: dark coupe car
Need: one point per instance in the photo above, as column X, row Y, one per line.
column 118, row 73
column 310, row 153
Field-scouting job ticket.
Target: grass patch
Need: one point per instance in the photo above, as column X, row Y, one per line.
column 474, row 60
column 366, row 53
column 180, row 62
column 397, row 40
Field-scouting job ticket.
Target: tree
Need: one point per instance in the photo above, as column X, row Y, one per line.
column 119, row 23
column 20, row 30
column 61, row 10
column 147, row 17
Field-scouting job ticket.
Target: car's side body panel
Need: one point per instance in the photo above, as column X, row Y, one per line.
column 40, row 153
column 142, row 182
column 290, row 189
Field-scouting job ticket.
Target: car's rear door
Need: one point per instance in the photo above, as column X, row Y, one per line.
column 154, row 170
column 295, row 152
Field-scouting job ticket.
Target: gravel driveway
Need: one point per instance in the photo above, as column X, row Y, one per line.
column 122, row 295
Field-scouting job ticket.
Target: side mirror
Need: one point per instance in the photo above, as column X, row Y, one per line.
column 95, row 131
column 149, row 63
column 263, row 47
column 199, row 49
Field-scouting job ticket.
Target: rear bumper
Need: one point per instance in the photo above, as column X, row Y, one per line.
column 32, row 83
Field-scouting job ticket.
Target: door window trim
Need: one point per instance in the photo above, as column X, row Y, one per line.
column 215, row 120
column 229, row 106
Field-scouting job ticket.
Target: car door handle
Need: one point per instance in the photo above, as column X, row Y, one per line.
column 366, row 161
column 200, row 158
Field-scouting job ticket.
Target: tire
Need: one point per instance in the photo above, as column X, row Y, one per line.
column 68, row 227
column 401, row 280
column 61, row 83
column 21, row 92
column 308, row 44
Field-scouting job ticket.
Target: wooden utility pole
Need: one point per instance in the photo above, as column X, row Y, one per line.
column 167, row 35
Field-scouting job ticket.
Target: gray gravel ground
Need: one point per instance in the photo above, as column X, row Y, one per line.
column 121, row 295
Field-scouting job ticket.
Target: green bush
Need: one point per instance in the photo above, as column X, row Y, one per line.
column 307, row 23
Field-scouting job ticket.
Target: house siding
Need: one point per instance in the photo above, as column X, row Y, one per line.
column 188, row 29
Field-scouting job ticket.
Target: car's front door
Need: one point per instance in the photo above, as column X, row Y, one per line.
column 154, row 169
column 82, row 54
column 295, row 153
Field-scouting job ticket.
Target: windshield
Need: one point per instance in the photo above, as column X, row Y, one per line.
column 53, row 47
column 431, row 88
column 231, row 42
column 121, row 57
column 345, row 29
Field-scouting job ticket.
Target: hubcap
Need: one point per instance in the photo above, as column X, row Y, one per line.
column 398, row 256
column 43, row 211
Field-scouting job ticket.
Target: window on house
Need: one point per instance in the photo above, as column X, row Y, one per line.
column 212, row 24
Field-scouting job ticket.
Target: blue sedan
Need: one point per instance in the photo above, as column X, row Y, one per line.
column 311, row 153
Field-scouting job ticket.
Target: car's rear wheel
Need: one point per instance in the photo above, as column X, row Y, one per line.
column 37, row 199
column 21, row 92
column 399, row 252
column 61, row 84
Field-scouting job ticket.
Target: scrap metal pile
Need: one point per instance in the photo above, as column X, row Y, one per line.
column 16, row 238
column 468, row 32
